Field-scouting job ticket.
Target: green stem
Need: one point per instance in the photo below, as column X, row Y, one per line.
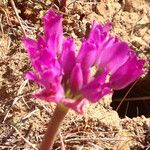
column 53, row 127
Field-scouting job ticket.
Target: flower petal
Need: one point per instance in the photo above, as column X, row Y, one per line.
column 86, row 76
column 96, row 34
column 31, row 76
column 96, row 89
column 67, row 58
column 53, row 30
column 77, row 105
column 31, row 46
column 107, row 26
column 76, row 79
column 99, row 32
column 115, row 56
column 127, row 73
column 51, row 94
column 87, row 55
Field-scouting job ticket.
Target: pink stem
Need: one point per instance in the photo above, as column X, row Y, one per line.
column 53, row 127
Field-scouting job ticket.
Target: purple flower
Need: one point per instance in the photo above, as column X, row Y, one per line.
column 127, row 73
column 76, row 79
column 102, row 64
column 67, row 58
column 87, row 55
column 77, row 105
column 53, row 31
column 97, row 88
column 113, row 57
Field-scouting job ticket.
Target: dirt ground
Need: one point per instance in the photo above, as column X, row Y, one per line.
column 23, row 120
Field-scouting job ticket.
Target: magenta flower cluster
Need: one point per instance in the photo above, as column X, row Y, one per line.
column 102, row 64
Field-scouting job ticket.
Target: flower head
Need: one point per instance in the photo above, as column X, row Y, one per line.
column 74, row 80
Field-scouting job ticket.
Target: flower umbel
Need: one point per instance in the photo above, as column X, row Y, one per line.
column 102, row 64
column 67, row 78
